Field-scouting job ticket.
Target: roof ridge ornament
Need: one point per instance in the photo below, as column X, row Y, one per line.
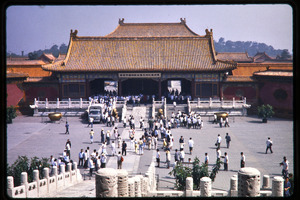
column 121, row 21
column 73, row 34
column 182, row 20
column 208, row 33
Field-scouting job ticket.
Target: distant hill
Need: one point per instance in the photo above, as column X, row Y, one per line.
column 221, row 46
column 250, row 47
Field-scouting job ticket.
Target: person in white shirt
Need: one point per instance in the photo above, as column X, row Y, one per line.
column 226, row 161
column 181, row 156
column 113, row 148
column 157, row 157
column 191, row 145
column 91, row 166
column 285, row 167
column 168, row 158
column 219, row 139
column 81, row 157
column 243, row 160
column 103, row 160
column 269, row 145
column 218, row 151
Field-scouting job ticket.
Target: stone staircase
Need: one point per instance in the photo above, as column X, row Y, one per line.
column 170, row 109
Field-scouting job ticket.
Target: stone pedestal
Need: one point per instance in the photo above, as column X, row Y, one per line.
column 137, row 186
column 266, row 182
column 189, row 187
column 46, row 172
column 122, row 183
column 248, row 182
column 106, row 183
column 131, row 192
column 233, row 186
column 36, row 175
column 10, row 182
column 277, row 186
column 24, row 178
column 205, row 187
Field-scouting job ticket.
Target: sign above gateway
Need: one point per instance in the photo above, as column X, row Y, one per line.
column 139, row 75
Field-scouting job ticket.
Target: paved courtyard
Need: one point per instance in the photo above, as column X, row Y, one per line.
column 36, row 136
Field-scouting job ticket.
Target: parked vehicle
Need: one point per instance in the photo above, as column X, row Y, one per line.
column 95, row 111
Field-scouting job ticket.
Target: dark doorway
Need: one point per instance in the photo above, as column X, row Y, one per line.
column 103, row 86
column 185, row 87
column 140, row 86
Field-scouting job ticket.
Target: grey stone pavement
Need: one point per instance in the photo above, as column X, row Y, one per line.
column 36, row 136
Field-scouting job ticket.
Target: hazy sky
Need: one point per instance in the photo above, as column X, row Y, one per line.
column 32, row 28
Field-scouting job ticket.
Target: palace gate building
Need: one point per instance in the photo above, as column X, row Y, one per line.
column 141, row 58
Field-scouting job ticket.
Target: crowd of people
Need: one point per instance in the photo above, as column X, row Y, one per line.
column 157, row 136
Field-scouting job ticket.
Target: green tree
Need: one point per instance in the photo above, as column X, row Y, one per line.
column 22, row 164
column 197, row 171
column 11, row 113
column 265, row 112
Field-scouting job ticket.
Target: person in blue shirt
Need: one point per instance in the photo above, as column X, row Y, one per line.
column 287, row 186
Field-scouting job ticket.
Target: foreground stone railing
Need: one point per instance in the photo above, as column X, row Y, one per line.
column 116, row 183
column 46, row 186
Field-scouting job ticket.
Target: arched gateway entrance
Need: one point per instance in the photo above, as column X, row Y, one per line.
column 140, row 86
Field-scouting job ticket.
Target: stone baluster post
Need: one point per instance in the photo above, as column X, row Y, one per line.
column 35, row 102
column 80, row 103
column 36, row 175
column 222, row 102
column 131, row 187
column 57, row 103
column 198, row 102
column 69, row 167
column 10, row 182
column 210, row 102
column 24, row 181
column 106, row 183
column 248, row 182
column 189, row 187
column 54, row 171
column 233, row 186
column 122, row 183
column 46, row 172
column 69, row 102
column 137, row 186
column 47, row 103
column 233, row 102
column 244, row 99
column 62, row 169
column 205, row 187
column 10, row 185
column 36, row 178
column 277, row 186
column 266, row 182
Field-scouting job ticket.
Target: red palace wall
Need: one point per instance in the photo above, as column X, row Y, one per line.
column 14, row 94
column 238, row 91
column 41, row 91
column 268, row 95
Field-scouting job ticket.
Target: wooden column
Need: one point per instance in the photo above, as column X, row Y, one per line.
column 87, row 88
column 193, row 88
column 120, row 87
column 159, row 88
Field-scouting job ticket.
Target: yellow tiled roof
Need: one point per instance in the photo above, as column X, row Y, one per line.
column 151, row 30
column 143, row 47
column 142, row 54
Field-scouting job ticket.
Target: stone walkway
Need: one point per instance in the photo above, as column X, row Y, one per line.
column 36, row 136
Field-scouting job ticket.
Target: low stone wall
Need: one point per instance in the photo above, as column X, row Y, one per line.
column 245, row 183
column 46, row 186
